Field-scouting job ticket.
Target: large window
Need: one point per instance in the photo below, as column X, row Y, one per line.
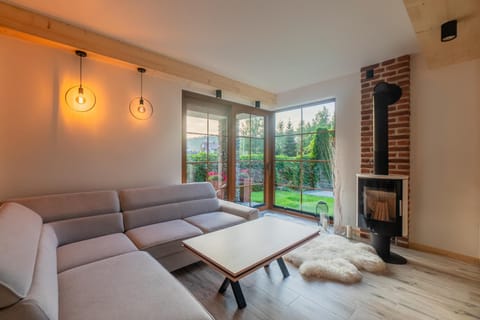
column 304, row 145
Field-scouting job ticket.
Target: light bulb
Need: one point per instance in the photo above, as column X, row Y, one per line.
column 80, row 99
column 141, row 106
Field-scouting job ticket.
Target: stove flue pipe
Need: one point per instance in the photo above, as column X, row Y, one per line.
column 384, row 94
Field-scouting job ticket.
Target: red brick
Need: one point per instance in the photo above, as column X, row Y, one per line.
column 365, row 85
column 399, row 113
column 399, row 160
column 400, row 136
column 366, row 117
column 388, row 62
column 404, row 58
column 389, row 73
column 395, row 78
column 366, row 91
column 403, row 106
column 398, row 125
column 398, row 65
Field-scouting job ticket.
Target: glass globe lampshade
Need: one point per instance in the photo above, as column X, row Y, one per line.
column 141, row 108
column 80, row 98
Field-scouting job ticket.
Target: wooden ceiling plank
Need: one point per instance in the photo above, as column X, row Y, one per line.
column 428, row 15
column 24, row 21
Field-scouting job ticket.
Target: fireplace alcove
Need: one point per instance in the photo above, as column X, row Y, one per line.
column 383, row 198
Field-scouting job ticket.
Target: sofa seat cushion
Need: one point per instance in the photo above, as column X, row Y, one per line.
column 212, row 221
column 129, row 286
column 79, row 253
column 164, row 238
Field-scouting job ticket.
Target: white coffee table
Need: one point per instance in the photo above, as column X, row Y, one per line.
column 240, row 250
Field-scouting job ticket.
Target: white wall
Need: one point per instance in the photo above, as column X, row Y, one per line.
column 445, row 182
column 346, row 91
column 45, row 147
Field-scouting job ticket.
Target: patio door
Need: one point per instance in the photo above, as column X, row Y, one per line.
column 206, row 143
column 226, row 144
column 250, row 159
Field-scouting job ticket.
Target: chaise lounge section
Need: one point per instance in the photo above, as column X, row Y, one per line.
column 90, row 255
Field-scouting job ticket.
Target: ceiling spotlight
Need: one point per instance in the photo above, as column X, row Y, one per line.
column 141, row 108
column 449, row 30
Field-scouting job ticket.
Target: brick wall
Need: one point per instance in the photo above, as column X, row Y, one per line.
column 395, row 71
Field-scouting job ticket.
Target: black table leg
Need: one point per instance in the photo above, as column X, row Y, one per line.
column 224, row 286
column 283, row 267
column 237, row 291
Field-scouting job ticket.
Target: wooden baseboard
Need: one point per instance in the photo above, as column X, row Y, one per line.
column 442, row 252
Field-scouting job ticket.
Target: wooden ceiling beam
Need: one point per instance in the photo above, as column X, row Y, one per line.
column 34, row 24
column 427, row 17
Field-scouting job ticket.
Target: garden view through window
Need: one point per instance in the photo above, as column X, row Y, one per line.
column 304, row 148
column 206, row 149
column 250, row 159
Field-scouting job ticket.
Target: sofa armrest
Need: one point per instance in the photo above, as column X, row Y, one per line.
column 238, row 210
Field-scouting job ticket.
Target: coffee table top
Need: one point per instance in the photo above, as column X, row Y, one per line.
column 236, row 251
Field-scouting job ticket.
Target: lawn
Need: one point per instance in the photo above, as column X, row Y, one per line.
column 291, row 200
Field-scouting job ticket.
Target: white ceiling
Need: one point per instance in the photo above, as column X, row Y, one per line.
column 276, row 45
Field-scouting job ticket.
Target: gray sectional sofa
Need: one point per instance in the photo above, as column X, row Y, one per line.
column 94, row 255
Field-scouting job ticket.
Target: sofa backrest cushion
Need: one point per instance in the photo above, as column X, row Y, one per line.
column 56, row 207
column 20, row 230
column 78, row 216
column 142, row 206
column 73, row 230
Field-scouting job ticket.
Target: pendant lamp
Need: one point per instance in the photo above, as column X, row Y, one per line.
column 141, row 108
column 80, row 98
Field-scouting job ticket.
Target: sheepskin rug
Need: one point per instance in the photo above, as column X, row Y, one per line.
column 333, row 257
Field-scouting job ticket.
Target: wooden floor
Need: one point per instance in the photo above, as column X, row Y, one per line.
column 428, row 287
